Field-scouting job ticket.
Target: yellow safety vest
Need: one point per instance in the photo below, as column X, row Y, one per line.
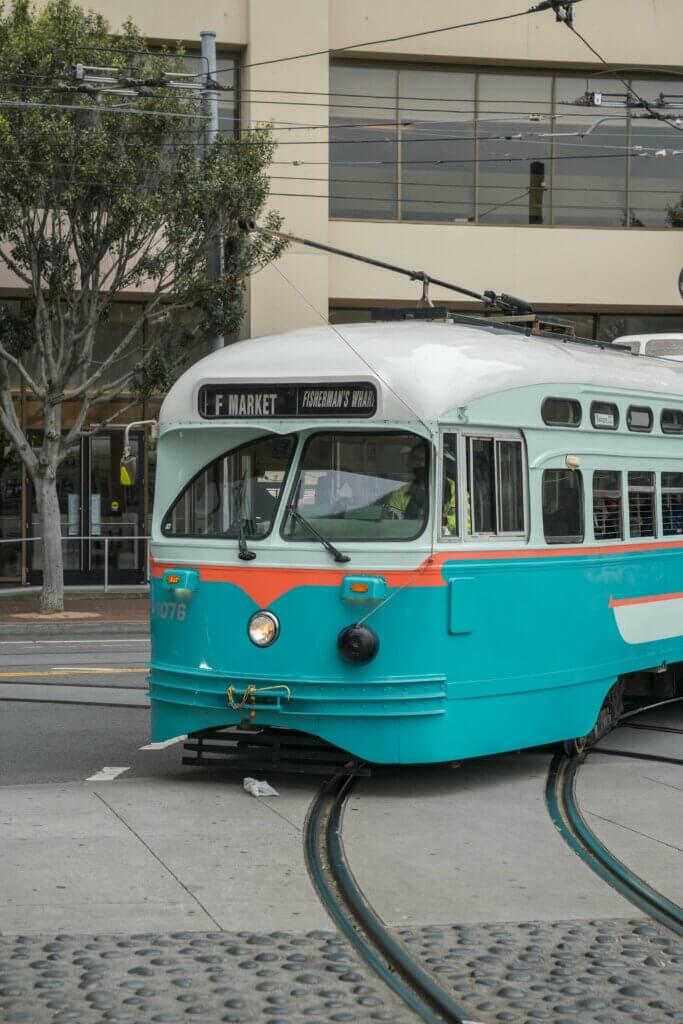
column 400, row 499
column 450, row 508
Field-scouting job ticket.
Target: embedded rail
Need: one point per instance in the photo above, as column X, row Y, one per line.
column 362, row 926
column 566, row 815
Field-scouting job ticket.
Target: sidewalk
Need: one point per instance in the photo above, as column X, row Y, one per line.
column 127, row 614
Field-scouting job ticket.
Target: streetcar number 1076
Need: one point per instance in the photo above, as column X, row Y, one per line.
column 170, row 610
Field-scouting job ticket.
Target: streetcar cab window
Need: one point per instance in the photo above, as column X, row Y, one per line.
column 495, row 486
column 672, row 503
column 641, row 504
column 360, row 487
column 604, row 415
column 672, row 421
column 239, row 490
column 563, row 521
column 607, row 517
column 561, row 412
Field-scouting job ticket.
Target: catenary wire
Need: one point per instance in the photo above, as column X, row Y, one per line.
column 390, row 39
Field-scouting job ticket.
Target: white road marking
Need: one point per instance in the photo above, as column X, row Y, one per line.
column 35, row 643
column 164, row 743
column 107, row 774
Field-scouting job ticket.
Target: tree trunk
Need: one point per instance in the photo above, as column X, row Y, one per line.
column 52, row 596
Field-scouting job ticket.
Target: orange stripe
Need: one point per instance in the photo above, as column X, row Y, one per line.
column 623, row 601
column 266, row 584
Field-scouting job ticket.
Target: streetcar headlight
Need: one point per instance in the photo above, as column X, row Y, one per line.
column 263, row 629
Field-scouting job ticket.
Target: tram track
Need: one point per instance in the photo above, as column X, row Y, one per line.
column 358, row 921
column 569, row 821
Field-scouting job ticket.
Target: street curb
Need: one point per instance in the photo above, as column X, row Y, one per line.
column 42, row 629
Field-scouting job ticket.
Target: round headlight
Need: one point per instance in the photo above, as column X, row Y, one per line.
column 263, row 629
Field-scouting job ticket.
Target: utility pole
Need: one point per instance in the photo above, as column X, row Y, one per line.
column 214, row 261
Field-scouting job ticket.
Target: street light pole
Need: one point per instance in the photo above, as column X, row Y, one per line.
column 214, row 261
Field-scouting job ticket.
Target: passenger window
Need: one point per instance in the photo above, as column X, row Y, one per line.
column 641, row 504
column 607, row 517
column 604, row 415
column 639, row 418
column 672, row 503
column 672, row 421
column 450, row 527
column 563, row 521
column 561, row 412
column 495, row 474
column 510, row 486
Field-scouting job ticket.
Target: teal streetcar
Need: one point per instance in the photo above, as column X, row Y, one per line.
column 418, row 541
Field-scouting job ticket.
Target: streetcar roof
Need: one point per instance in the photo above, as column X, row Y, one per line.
column 420, row 370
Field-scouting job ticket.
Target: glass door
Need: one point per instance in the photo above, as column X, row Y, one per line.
column 10, row 514
column 114, row 513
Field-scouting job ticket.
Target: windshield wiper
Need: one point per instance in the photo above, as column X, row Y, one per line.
column 302, row 521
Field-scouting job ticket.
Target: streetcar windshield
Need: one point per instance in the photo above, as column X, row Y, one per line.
column 239, row 492
column 354, row 486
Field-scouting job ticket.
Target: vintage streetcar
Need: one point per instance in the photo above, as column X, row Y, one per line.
column 417, row 541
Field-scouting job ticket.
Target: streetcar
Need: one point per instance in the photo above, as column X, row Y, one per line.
column 417, row 541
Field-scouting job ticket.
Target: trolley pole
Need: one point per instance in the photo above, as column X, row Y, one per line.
column 214, row 262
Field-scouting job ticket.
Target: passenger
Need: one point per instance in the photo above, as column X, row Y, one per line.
column 409, row 500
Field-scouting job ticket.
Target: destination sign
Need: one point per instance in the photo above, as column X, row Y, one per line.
column 286, row 401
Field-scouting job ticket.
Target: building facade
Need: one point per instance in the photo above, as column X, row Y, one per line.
column 500, row 156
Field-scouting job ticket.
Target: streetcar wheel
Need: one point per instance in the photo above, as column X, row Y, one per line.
column 575, row 746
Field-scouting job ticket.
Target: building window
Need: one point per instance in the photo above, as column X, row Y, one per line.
column 561, row 412
column 499, row 147
column 639, row 419
column 563, row 520
column 672, row 503
column 607, row 517
column 641, row 504
column 604, row 415
column 672, row 421
column 495, row 475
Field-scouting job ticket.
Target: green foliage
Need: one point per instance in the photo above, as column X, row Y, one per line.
column 102, row 194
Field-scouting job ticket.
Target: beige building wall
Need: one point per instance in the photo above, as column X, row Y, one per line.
column 557, row 266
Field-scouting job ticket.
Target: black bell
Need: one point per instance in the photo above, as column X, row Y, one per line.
column 358, row 644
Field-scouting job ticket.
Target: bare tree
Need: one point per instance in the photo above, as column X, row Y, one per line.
column 101, row 196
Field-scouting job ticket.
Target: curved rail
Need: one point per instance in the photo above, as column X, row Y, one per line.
column 564, row 811
column 349, row 909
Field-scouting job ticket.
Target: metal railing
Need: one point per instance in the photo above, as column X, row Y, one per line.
column 95, row 539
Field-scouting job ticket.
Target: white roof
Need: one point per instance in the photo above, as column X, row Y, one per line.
column 426, row 369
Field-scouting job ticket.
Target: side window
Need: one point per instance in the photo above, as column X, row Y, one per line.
column 563, row 521
column 672, row 421
column 672, row 503
column 607, row 514
column 641, row 504
column 450, row 526
column 604, row 415
column 639, row 418
column 495, row 488
column 561, row 412
column 510, row 467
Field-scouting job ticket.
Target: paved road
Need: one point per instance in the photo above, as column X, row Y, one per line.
column 76, row 659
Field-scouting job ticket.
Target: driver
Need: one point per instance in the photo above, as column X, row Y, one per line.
column 409, row 499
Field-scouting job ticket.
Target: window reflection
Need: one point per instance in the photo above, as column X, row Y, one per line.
column 363, row 143
column 589, row 172
column 436, row 118
column 503, row 148
column 513, row 185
